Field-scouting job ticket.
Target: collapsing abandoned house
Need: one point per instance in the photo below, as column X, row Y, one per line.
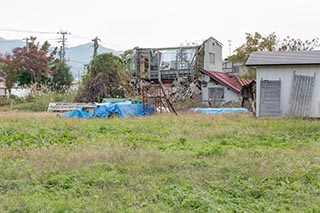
column 174, row 64
column 182, row 71
column 288, row 83
column 173, row 71
column 220, row 88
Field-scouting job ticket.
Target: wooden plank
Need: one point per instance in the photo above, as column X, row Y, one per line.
column 63, row 107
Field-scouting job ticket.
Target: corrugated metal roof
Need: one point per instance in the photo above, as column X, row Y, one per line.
column 229, row 80
column 244, row 82
column 284, row 58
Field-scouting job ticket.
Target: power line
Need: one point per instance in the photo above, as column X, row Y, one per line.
column 25, row 31
column 81, row 37
column 106, row 44
column 50, row 33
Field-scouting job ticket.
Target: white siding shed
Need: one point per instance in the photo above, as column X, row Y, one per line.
column 288, row 83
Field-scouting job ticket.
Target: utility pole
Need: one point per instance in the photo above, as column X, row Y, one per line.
column 27, row 42
column 63, row 41
column 232, row 65
column 229, row 47
column 95, row 46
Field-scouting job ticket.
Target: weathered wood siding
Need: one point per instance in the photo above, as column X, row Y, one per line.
column 286, row 75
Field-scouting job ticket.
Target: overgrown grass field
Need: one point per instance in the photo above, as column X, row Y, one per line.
column 185, row 163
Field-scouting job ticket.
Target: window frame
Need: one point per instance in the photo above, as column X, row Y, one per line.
column 212, row 58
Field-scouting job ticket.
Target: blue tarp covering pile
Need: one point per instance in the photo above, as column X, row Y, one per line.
column 104, row 111
column 220, row 110
column 77, row 113
column 123, row 110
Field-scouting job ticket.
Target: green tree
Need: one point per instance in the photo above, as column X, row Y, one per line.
column 61, row 76
column 126, row 53
column 254, row 42
column 38, row 65
column 257, row 42
column 105, row 78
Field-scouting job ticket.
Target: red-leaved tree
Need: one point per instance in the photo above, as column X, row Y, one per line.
column 9, row 70
column 34, row 62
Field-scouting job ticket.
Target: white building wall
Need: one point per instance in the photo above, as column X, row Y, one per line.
column 212, row 46
column 229, row 94
column 205, row 92
column 285, row 74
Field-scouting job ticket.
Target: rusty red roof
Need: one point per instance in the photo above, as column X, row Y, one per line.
column 234, row 82
column 244, row 81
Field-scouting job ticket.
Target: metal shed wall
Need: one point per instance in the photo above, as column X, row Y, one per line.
column 285, row 74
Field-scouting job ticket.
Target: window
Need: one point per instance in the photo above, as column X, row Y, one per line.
column 212, row 58
column 216, row 94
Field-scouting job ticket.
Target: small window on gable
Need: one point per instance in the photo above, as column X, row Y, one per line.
column 212, row 58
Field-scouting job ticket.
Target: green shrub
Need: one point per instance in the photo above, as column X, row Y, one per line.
column 38, row 99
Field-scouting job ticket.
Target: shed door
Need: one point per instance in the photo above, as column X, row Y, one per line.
column 301, row 95
column 270, row 98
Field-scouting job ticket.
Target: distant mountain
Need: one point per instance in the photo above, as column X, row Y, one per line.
column 80, row 55
column 7, row 46
column 76, row 56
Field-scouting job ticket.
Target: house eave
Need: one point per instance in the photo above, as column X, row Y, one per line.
column 218, row 80
column 288, row 64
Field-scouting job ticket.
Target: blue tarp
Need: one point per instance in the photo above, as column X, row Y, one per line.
column 77, row 113
column 122, row 110
column 220, row 110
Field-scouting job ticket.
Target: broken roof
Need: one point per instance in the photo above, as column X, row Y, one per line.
column 229, row 80
column 284, row 58
column 193, row 46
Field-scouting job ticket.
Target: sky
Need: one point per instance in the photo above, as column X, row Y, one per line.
column 124, row 24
